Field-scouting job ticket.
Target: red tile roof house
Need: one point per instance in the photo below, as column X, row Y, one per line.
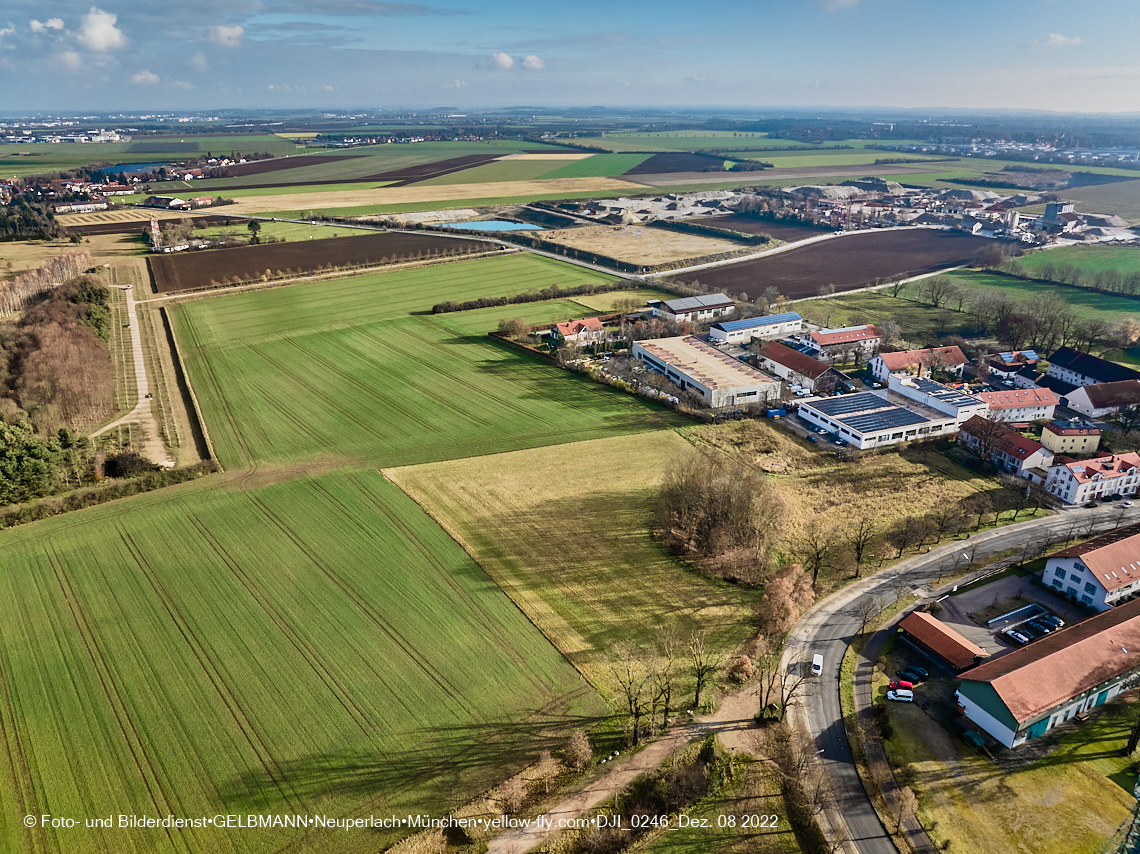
column 1086, row 480
column 1009, row 450
column 829, row 342
column 579, row 332
column 1022, row 404
column 795, row 367
column 1104, row 399
column 1021, row 695
column 1100, row 573
column 948, row 359
column 940, row 640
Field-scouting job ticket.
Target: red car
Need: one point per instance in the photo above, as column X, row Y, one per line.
column 902, row 684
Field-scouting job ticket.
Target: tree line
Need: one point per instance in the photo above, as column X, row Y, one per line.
column 33, row 285
column 27, row 218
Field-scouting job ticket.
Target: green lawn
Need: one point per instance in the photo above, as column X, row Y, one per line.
column 1126, row 259
column 317, row 645
column 1086, row 304
column 915, row 320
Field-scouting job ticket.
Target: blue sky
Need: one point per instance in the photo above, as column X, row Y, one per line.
column 203, row 54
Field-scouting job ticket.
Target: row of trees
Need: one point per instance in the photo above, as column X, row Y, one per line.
column 1110, row 281
column 20, row 292
column 27, row 218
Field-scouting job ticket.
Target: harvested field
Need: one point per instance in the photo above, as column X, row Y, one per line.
column 279, row 164
column 786, row 231
column 128, row 226
column 185, row 271
column 639, row 244
column 430, row 195
column 848, row 262
column 678, row 162
column 823, row 171
column 564, row 549
column 131, row 215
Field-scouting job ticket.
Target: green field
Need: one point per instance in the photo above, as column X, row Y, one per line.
column 317, row 645
column 1126, row 259
column 492, row 173
column 915, row 320
column 1086, row 304
column 599, row 166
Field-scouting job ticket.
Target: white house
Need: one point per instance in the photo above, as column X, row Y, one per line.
column 579, row 332
column 1023, row 694
column 1102, row 572
column 1021, row 404
column 768, row 327
column 949, row 359
column 1104, row 400
column 715, row 376
column 705, row 307
column 1077, row 368
column 1087, row 480
column 826, row 343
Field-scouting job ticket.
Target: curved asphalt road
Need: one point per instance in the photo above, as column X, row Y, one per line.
column 829, row 626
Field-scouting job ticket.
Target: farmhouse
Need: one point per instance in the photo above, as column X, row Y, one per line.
column 770, row 326
column 1008, row 450
column 1102, row 572
column 704, row 307
column 941, row 641
column 578, row 332
column 798, row 368
column 1021, row 695
column 1087, row 480
column 853, row 340
column 950, row 360
column 1074, row 438
column 1021, row 404
column 1079, row 369
column 1104, row 399
column 697, row 366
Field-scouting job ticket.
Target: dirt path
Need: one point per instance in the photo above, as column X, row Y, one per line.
column 732, row 721
column 152, row 445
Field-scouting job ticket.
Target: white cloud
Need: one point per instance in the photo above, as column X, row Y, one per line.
column 71, row 59
column 198, row 62
column 180, row 84
column 832, row 5
column 227, row 36
column 458, row 84
column 44, row 26
column 8, row 31
column 533, row 63
column 502, row 60
column 328, row 88
column 99, row 33
column 1058, row 40
column 146, row 77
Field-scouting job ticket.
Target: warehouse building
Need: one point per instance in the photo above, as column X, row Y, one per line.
column 767, row 327
column 699, row 367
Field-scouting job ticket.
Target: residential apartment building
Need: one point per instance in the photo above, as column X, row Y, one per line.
column 1073, row 366
column 1104, row 400
column 1007, row 449
column 950, row 360
column 705, row 307
column 1021, row 404
column 798, row 368
column 1088, row 480
column 1072, row 438
column 1101, row 573
column 850, row 340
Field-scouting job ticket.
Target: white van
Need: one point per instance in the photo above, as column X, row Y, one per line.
column 901, row 695
column 816, row 665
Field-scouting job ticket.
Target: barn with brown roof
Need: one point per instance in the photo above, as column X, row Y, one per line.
column 939, row 640
column 1023, row 694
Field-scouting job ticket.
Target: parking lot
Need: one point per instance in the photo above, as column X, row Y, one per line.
column 956, row 608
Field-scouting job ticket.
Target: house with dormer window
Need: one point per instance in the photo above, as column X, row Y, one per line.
column 1088, row 480
column 1100, row 573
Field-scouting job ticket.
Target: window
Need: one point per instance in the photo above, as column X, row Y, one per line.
column 1071, row 591
column 1060, row 572
column 1057, row 583
column 1090, row 587
column 1087, row 600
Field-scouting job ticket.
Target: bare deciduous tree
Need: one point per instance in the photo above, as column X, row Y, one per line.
column 705, row 661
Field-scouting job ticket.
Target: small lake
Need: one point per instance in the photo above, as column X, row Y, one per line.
column 493, row 225
column 134, row 167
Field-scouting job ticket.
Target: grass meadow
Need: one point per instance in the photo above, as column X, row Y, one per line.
column 1126, row 259
column 316, row 645
column 1086, row 304
column 565, row 531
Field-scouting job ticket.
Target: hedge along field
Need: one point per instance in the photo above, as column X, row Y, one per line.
column 313, row 646
column 1086, row 304
column 565, row 532
column 341, row 369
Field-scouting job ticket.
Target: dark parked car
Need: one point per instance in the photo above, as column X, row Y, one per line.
column 813, row 440
column 1092, row 504
column 921, row 671
column 911, row 674
column 1030, row 632
column 1051, row 620
column 1041, row 627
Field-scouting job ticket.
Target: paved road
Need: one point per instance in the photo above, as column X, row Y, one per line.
column 829, row 626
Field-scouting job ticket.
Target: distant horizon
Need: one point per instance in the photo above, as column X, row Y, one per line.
column 1023, row 55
